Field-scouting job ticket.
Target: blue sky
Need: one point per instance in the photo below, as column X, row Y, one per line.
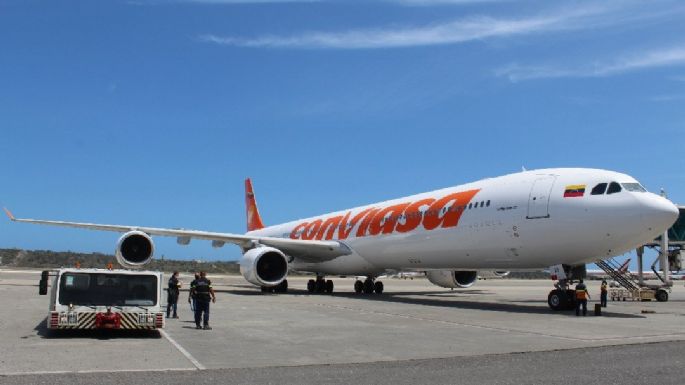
column 153, row 112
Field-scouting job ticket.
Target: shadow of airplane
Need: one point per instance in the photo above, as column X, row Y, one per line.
column 447, row 299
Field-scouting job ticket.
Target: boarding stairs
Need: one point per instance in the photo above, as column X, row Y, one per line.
column 623, row 278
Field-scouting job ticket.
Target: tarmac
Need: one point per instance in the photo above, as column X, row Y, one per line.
column 413, row 328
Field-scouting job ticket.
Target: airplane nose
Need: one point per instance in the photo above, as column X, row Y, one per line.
column 660, row 213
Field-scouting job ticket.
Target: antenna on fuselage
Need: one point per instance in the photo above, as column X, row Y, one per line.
column 663, row 193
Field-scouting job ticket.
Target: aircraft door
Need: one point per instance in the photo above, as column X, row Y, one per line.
column 538, row 201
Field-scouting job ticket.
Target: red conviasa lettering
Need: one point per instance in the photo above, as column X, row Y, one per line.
column 388, row 226
column 311, row 230
column 330, row 224
column 295, row 233
column 450, row 218
column 361, row 231
column 346, row 227
column 412, row 215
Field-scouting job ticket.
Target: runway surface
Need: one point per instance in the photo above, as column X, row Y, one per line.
column 494, row 332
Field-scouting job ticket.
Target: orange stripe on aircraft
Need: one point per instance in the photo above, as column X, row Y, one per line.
column 443, row 213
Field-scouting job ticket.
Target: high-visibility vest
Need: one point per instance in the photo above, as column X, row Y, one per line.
column 581, row 294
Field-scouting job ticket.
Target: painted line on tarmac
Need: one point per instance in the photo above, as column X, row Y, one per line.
column 45, row 372
column 182, row 350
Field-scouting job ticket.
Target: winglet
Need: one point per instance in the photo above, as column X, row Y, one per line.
column 9, row 214
column 254, row 220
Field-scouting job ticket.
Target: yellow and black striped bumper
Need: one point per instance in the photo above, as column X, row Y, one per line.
column 87, row 320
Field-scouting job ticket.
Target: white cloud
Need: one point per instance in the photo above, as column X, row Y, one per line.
column 452, row 32
column 673, row 56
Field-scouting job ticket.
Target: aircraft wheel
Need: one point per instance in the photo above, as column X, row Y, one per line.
column 358, row 287
column 311, row 285
column 282, row 287
column 320, row 285
column 661, row 295
column 329, row 286
column 378, row 287
column 555, row 300
column 368, row 286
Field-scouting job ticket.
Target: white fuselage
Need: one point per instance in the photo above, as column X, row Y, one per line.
column 528, row 220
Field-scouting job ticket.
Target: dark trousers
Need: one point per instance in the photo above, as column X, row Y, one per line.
column 603, row 299
column 579, row 303
column 201, row 307
column 172, row 303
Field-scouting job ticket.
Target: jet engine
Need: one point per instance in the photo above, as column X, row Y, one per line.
column 452, row 279
column 134, row 249
column 264, row 266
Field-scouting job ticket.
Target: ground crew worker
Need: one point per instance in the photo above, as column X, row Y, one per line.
column 603, row 293
column 202, row 293
column 173, row 292
column 582, row 296
column 191, row 296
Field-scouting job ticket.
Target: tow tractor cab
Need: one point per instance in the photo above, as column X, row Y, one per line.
column 103, row 298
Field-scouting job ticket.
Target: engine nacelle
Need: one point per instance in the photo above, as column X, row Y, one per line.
column 264, row 266
column 134, row 249
column 452, row 279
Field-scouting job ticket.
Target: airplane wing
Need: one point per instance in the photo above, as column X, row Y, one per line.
column 309, row 251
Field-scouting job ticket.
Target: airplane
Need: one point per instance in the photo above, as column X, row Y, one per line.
column 535, row 219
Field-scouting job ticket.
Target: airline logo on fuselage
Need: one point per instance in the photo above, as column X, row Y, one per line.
column 403, row 217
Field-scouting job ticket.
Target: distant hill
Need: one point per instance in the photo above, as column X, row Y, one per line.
column 52, row 259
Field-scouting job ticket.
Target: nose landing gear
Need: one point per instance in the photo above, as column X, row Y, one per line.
column 561, row 299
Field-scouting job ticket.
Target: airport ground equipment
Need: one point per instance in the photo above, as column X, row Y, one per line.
column 103, row 299
column 623, row 278
column 671, row 249
column 631, row 287
column 640, row 294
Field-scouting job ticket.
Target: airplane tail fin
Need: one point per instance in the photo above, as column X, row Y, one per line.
column 624, row 266
column 254, row 220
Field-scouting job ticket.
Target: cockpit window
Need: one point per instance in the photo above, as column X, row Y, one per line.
column 599, row 189
column 614, row 188
column 634, row 187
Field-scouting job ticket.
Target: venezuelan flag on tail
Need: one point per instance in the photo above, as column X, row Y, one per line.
column 254, row 220
column 574, row 190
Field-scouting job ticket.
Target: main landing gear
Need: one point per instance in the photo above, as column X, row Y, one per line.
column 320, row 285
column 280, row 288
column 368, row 286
